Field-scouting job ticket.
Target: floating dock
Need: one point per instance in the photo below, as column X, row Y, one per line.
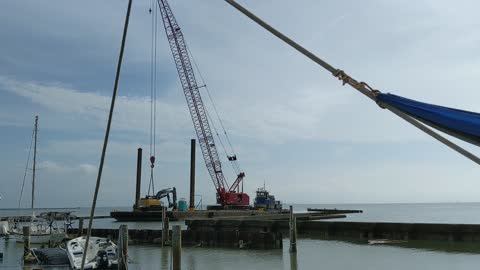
column 333, row 211
column 183, row 215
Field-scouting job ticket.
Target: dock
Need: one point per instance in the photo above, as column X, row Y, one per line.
column 183, row 215
column 333, row 211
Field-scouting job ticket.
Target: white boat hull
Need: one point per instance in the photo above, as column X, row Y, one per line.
column 75, row 248
column 42, row 238
column 4, row 228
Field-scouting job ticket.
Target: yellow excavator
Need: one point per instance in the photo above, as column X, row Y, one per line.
column 154, row 202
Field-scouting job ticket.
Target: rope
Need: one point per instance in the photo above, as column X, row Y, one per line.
column 220, row 140
column 151, row 185
column 26, row 169
column 107, row 133
column 360, row 86
column 234, row 163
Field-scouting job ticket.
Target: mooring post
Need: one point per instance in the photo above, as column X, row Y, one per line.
column 293, row 261
column 80, row 227
column 164, row 217
column 123, row 247
column 26, row 244
column 177, row 247
column 293, row 231
column 192, row 175
column 166, row 228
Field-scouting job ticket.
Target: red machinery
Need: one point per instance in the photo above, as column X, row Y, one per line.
column 226, row 196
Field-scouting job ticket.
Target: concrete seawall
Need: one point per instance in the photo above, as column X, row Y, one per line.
column 396, row 231
column 352, row 230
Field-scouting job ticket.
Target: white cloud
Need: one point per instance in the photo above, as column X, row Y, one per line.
column 89, row 110
column 309, row 114
column 269, row 96
column 58, row 168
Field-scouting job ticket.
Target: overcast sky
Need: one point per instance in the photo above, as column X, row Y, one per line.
column 292, row 124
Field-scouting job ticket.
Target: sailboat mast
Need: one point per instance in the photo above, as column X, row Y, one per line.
column 34, row 161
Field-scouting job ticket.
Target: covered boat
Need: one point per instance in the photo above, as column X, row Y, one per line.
column 464, row 125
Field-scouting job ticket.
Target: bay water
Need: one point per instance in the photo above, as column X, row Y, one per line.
column 313, row 253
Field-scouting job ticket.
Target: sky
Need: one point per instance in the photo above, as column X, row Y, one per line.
column 293, row 126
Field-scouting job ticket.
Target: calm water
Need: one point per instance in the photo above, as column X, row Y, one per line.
column 312, row 253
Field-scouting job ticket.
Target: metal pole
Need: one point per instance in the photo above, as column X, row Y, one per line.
column 123, row 247
column 107, row 132
column 139, row 178
column 177, row 247
column 34, row 164
column 358, row 86
column 192, row 174
column 293, row 231
column 281, row 36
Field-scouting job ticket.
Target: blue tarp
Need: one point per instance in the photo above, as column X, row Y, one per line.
column 464, row 125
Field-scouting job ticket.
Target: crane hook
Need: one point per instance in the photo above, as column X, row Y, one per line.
column 152, row 161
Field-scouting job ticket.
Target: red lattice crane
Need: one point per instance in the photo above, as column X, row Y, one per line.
column 226, row 195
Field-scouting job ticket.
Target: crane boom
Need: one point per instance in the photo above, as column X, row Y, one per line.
column 225, row 195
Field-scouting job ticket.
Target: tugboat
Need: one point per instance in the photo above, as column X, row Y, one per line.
column 265, row 201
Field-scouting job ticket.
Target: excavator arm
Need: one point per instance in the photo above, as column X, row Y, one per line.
column 166, row 193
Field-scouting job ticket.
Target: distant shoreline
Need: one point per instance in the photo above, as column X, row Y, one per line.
column 43, row 208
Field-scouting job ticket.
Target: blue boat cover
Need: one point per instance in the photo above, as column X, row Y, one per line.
column 464, row 125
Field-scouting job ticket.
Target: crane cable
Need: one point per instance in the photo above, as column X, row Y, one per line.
column 26, row 169
column 153, row 94
column 232, row 158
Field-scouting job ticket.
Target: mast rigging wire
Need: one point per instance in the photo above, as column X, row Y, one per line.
column 26, row 169
column 234, row 163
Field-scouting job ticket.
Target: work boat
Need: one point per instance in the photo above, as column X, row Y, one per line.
column 101, row 253
column 42, row 230
column 265, row 201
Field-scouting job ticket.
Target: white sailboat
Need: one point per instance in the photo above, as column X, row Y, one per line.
column 42, row 231
column 101, row 253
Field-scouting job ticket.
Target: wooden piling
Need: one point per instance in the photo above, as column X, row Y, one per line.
column 293, row 231
column 164, row 217
column 166, row 228
column 293, row 261
column 177, row 247
column 139, row 179
column 192, row 175
column 123, row 247
column 80, row 227
column 26, row 244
